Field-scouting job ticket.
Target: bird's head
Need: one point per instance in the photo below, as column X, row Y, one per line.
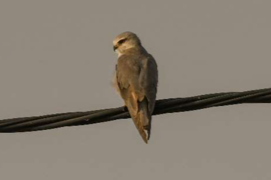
column 125, row 41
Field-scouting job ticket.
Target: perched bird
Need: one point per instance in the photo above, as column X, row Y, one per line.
column 136, row 80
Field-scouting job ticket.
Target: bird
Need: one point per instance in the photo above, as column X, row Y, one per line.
column 136, row 80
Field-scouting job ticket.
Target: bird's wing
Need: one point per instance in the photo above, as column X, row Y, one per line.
column 148, row 81
column 137, row 81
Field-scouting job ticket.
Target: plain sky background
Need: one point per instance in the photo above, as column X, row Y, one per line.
column 57, row 56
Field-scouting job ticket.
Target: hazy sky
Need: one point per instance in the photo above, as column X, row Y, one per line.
column 57, row 56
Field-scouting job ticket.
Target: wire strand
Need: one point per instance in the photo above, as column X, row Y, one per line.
column 172, row 105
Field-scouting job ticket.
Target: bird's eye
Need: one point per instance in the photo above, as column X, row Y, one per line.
column 121, row 41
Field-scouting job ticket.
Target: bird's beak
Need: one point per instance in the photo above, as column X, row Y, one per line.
column 115, row 47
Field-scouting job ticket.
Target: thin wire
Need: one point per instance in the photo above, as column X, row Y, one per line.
column 172, row 105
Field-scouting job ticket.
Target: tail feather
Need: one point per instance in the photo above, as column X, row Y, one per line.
column 142, row 120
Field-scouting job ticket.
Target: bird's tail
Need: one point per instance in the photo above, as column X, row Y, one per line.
column 142, row 120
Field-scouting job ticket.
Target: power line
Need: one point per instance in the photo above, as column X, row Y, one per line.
column 172, row 105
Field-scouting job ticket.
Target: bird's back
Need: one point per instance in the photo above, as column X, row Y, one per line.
column 137, row 79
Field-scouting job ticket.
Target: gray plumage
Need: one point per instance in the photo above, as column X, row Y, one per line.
column 136, row 80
